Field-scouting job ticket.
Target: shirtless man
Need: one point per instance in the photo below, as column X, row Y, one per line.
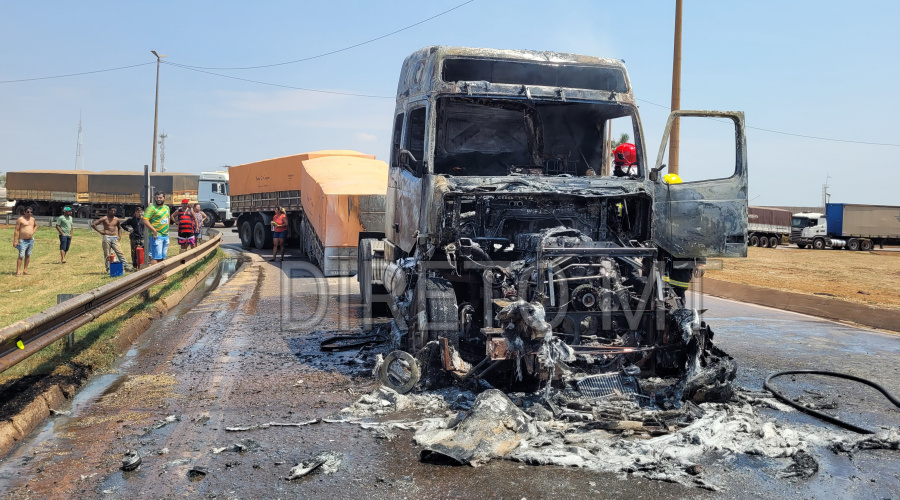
column 112, row 233
column 23, row 240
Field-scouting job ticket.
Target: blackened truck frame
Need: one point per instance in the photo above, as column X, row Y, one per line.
column 494, row 204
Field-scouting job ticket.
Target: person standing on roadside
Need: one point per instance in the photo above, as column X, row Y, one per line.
column 64, row 226
column 279, row 232
column 156, row 218
column 112, row 233
column 200, row 218
column 136, row 231
column 187, row 226
column 23, row 240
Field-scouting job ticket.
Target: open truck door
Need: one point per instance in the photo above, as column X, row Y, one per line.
column 706, row 217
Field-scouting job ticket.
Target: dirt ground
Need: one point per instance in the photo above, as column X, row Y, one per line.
column 871, row 278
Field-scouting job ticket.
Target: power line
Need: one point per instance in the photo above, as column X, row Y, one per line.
column 797, row 135
column 338, row 50
column 75, row 74
column 276, row 84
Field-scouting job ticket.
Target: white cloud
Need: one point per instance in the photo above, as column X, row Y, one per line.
column 364, row 137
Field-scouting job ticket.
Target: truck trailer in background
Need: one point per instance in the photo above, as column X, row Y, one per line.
column 330, row 198
column 214, row 200
column 92, row 194
column 766, row 226
column 844, row 225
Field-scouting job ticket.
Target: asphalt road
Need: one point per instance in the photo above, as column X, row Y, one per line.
column 238, row 354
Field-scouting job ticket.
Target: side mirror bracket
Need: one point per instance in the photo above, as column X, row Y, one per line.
column 654, row 173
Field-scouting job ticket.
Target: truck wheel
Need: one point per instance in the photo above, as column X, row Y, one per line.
column 211, row 218
column 19, row 210
column 773, row 241
column 262, row 236
column 853, row 244
column 228, row 223
column 83, row 213
column 819, row 244
column 443, row 314
column 246, row 233
column 764, row 241
column 866, row 245
column 370, row 265
column 754, row 241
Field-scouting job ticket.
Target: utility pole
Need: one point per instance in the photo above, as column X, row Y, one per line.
column 676, row 91
column 79, row 158
column 156, row 108
column 162, row 151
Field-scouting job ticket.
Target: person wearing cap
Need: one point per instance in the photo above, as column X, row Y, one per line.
column 187, row 225
column 64, row 226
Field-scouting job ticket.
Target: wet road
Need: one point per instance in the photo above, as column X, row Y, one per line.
column 242, row 355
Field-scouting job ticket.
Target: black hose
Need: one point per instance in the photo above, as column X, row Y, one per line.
column 825, row 416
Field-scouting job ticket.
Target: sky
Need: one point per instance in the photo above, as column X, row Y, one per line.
column 823, row 69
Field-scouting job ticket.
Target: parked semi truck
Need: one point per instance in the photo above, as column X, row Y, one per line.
column 330, row 197
column 502, row 243
column 845, row 225
column 91, row 194
column 766, row 226
column 214, row 200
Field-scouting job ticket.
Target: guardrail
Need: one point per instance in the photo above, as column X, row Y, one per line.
column 44, row 328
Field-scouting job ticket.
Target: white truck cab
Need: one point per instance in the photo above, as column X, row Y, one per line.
column 811, row 229
column 214, row 200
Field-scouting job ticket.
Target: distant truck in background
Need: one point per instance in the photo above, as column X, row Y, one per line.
column 214, row 200
column 330, row 199
column 766, row 226
column 844, row 225
column 92, row 194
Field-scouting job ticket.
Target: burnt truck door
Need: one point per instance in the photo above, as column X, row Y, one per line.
column 702, row 218
column 407, row 206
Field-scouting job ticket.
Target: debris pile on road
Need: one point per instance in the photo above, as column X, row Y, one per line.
column 324, row 463
column 614, row 434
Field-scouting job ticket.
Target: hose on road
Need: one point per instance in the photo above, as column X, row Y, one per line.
column 824, row 416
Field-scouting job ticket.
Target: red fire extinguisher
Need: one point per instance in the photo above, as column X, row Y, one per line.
column 140, row 256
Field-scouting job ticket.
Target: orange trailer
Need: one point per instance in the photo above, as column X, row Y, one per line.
column 329, row 196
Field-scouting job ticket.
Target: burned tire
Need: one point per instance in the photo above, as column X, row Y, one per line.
column 399, row 371
column 754, row 241
column 853, row 244
column 819, row 244
column 442, row 311
column 246, row 234
column 801, row 246
column 866, row 245
column 773, row 241
column 262, row 236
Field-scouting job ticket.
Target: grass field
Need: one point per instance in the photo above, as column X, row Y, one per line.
column 865, row 277
column 83, row 271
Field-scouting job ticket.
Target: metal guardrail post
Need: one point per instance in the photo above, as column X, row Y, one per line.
column 60, row 298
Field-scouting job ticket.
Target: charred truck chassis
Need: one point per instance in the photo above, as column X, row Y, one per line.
column 504, row 245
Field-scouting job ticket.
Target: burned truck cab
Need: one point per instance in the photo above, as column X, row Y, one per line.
column 511, row 242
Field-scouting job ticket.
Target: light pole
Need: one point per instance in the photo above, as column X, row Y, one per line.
column 676, row 92
column 156, row 108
